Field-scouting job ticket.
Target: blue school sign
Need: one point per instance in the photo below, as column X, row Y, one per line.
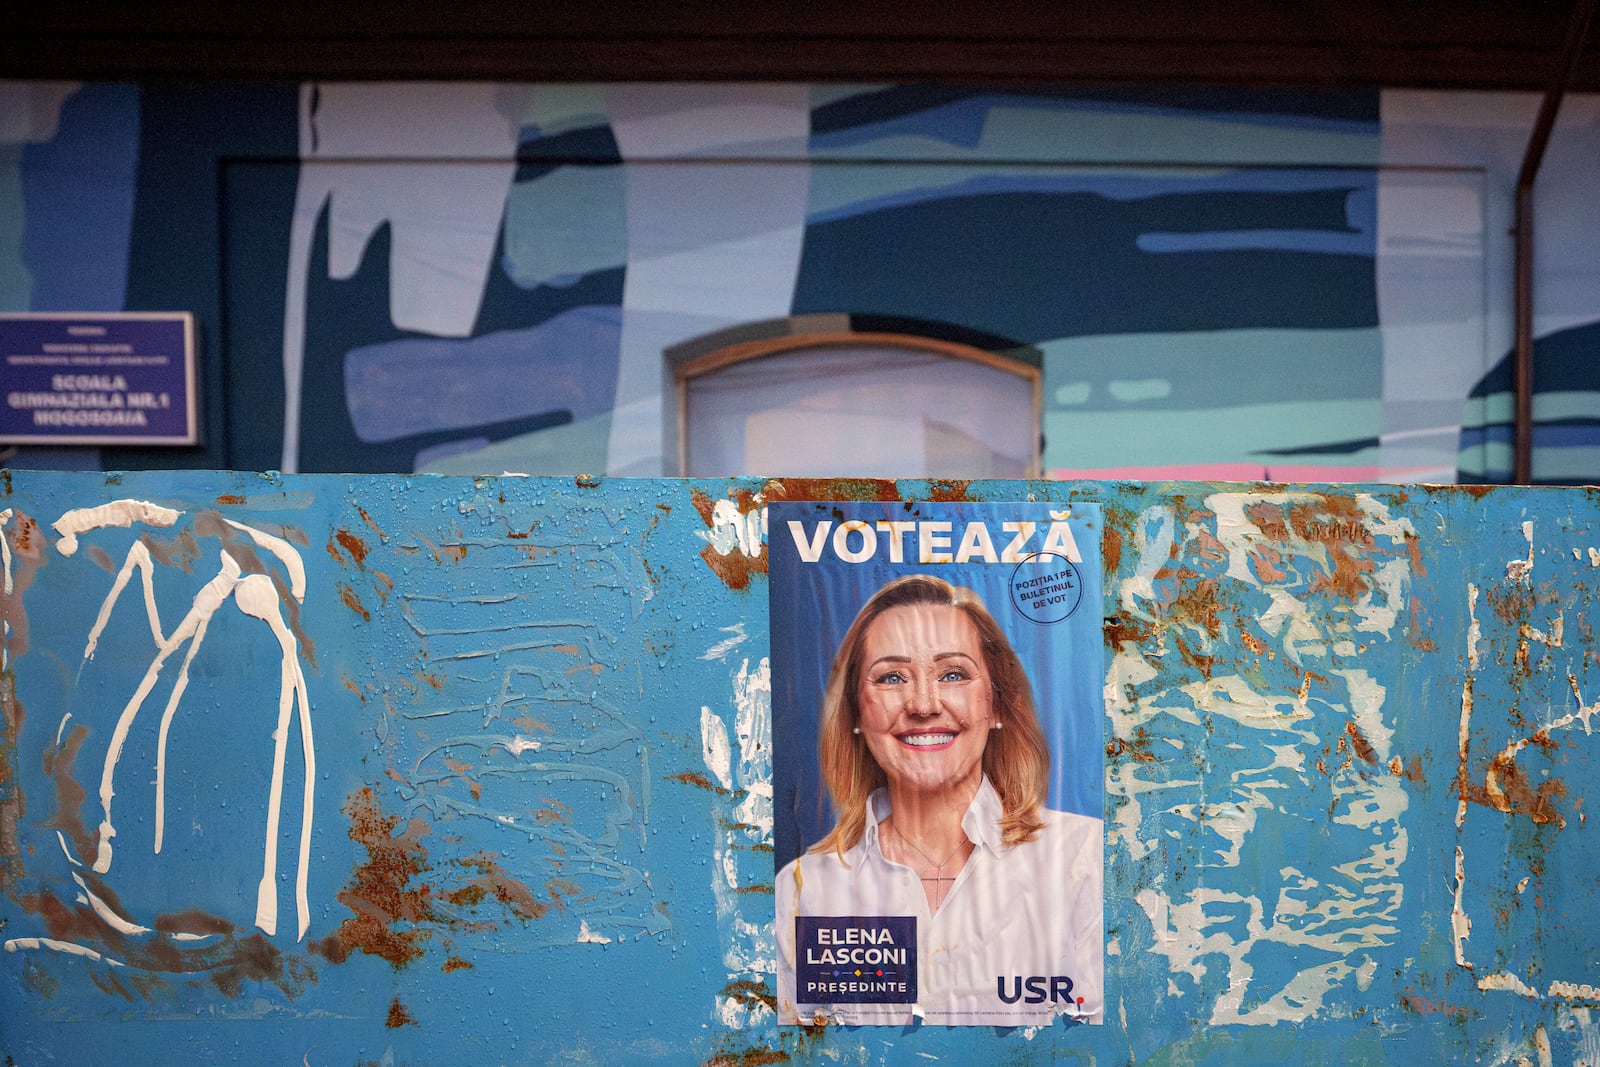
column 99, row 379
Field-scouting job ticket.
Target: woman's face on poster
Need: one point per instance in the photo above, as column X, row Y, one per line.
column 926, row 700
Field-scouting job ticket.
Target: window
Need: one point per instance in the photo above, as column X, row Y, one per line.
column 837, row 396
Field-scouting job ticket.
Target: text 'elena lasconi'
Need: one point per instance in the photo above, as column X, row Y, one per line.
column 857, row 541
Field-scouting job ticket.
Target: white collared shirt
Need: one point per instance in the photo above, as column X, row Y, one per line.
column 1029, row 911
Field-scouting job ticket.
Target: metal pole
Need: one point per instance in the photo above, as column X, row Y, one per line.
column 1522, row 361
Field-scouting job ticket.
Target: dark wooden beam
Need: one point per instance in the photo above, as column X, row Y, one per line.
column 1460, row 44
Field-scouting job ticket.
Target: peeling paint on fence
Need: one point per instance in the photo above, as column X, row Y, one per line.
column 503, row 750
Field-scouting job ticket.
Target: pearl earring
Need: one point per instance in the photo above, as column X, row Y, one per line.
column 857, row 730
column 996, row 726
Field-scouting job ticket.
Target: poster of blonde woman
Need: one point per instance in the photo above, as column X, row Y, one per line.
column 938, row 733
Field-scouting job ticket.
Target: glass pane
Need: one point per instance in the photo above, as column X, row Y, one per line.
column 861, row 411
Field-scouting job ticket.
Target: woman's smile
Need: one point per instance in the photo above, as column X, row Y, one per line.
column 939, row 739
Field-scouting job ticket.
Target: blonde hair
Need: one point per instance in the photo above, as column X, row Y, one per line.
column 1016, row 758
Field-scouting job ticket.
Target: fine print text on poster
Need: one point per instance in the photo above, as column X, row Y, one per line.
column 939, row 762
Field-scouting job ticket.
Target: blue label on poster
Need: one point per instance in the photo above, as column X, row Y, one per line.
column 856, row 959
column 98, row 379
column 1046, row 588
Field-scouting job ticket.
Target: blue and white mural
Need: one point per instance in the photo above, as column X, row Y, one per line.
column 478, row 278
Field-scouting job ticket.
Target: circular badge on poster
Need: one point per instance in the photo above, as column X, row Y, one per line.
column 1046, row 588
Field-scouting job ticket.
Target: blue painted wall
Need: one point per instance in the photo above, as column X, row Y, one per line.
column 1348, row 736
column 1223, row 283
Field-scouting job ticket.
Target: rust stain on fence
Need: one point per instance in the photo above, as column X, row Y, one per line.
column 381, row 892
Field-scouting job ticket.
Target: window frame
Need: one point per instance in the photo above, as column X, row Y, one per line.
column 706, row 355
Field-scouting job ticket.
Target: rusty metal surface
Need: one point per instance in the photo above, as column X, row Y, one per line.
column 1348, row 739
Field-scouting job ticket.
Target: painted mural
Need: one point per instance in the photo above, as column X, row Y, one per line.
column 339, row 770
column 1221, row 283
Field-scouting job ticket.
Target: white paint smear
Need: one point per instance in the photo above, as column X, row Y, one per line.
column 1505, row 982
column 752, row 722
column 1521, row 570
column 1366, row 706
column 5, row 566
column 1365, row 973
column 1541, row 1045
column 115, row 513
column 285, row 553
column 1551, row 638
column 107, row 915
column 1464, row 730
column 733, row 530
column 1585, row 712
column 1507, row 755
column 518, row 744
column 721, row 649
column 1580, row 1019
column 66, row 851
column 178, row 689
column 258, row 598
column 714, row 748
column 53, row 945
column 1344, row 900
column 743, row 816
column 1460, row 924
column 138, row 558
column 205, row 605
column 1574, row 991
column 5, row 549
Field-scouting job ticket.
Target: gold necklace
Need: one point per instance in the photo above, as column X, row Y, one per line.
column 938, row 877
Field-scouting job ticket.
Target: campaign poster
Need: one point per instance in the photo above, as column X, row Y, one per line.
column 938, row 762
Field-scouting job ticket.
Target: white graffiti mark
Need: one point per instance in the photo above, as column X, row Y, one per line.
column 1581, row 1020
column 721, row 649
column 714, row 747
column 1507, row 756
column 1521, row 570
column 206, row 602
column 733, row 530
column 1514, row 1053
column 138, row 558
column 66, row 850
column 1296, row 589
column 107, row 913
column 80, row 521
column 5, row 566
column 256, row 596
column 1464, row 731
column 742, row 812
column 1512, row 787
column 285, row 553
column 1460, row 922
column 1505, row 981
column 1585, row 712
column 54, row 945
column 5, row 551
